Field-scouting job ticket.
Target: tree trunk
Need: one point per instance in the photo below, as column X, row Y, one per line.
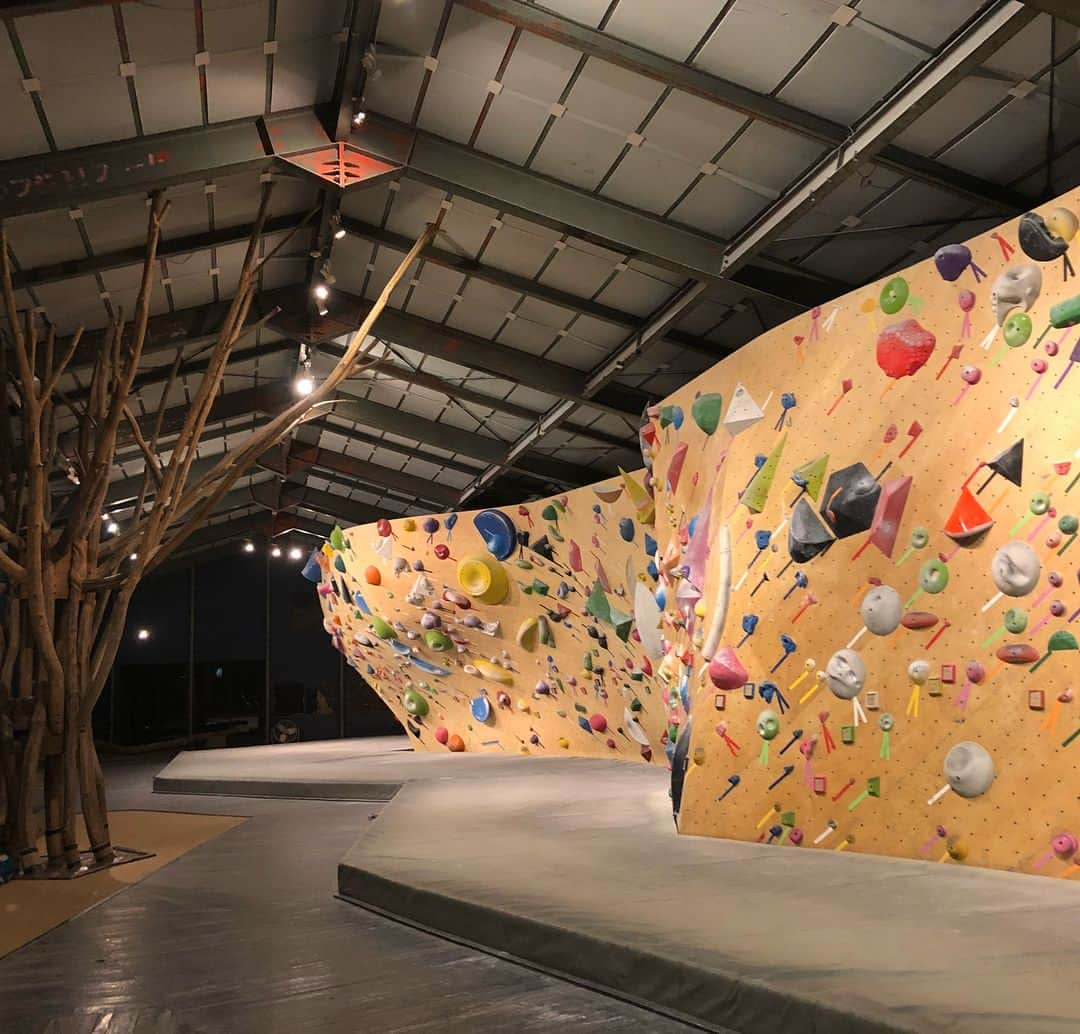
column 94, row 806
column 26, row 831
column 8, row 781
column 54, row 810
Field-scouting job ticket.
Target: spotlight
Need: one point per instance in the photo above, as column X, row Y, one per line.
column 359, row 118
column 322, row 292
column 143, row 634
column 112, row 527
column 304, row 385
column 339, row 233
column 295, row 553
column 276, row 551
column 249, row 547
column 323, row 310
column 134, row 556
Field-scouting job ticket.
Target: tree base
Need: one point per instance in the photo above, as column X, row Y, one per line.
column 87, row 865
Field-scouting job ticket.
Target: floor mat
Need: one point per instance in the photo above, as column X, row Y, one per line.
column 29, row 908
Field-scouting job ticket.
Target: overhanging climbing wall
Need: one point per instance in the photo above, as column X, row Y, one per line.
column 898, row 668
column 509, row 630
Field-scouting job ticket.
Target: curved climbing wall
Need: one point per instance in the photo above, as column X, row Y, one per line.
column 512, row 630
column 896, row 474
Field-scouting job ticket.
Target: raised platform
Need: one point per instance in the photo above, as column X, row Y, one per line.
column 574, row 866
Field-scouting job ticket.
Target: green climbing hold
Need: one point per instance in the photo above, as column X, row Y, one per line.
column 705, row 411
column 416, row 703
column 757, row 492
column 337, row 538
column 383, row 629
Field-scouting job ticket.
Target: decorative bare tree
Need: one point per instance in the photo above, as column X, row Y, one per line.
column 67, row 587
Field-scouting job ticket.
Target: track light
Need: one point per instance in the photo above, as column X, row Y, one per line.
column 304, row 383
column 276, row 551
column 321, row 291
column 323, row 310
column 295, row 553
column 143, row 634
column 249, row 547
column 112, row 527
column 359, row 118
column 339, row 233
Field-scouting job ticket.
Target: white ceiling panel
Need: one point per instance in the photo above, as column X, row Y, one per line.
column 718, row 206
column 65, row 106
column 576, row 352
column 469, row 57
column 929, row 22
column 848, row 75
column 465, row 226
column 538, row 311
column 527, row 336
column 411, row 25
column 415, row 205
column 20, row 130
column 1023, row 124
column 236, row 84
column 394, row 90
column 300, row 20
column 519, row 250
column 157, row 34
column 44, row 237
column 304, row 73
column 650, row 179
column 168, row 96
column 735, row 51
column 578, row 152
column 429, row 303
column 636, row 293
column 672, row 31
column 512, row 127
column 577, row 272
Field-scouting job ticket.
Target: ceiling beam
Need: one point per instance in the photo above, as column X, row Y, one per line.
column 82, row 175
column 453, row 439
column 440, row 341
column 301, row 456
column 980, row 38
column 673, row 310
column 462, row 393
column 62, row 178
column 347, row 511
column 688, row 79
column 523, row 285
column 1067, row 10
column 57, row 272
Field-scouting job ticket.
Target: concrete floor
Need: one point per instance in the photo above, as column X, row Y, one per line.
column 574, row 864
column 244, row 934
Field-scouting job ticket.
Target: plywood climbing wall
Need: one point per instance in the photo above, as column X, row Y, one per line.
column 881, row 467
column 508, row 630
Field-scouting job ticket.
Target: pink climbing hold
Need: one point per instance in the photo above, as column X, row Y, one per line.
column 726, row 670
column 442, row 735
column 597, row 722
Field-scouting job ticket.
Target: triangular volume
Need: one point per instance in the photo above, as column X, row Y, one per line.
column 890, row 511
column 757, row 492
column 1010, row 463
column 743, row 411
column 810, row 476
column 969, row 522
column 807, row 536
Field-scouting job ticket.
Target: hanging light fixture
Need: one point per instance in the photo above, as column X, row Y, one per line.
column 304, row 382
